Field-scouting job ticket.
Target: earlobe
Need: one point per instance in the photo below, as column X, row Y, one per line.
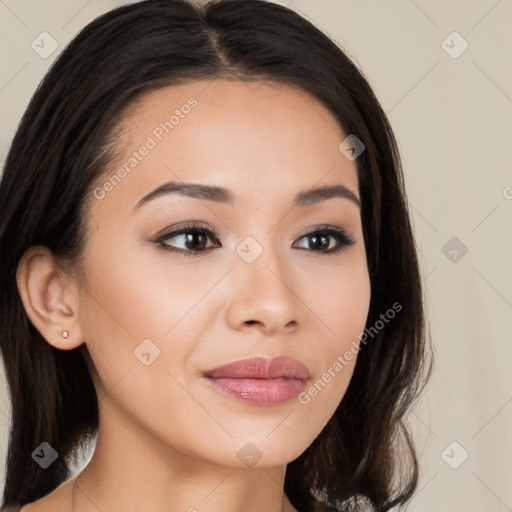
column 49, row 297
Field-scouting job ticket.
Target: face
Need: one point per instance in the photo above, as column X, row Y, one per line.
column 178, row 283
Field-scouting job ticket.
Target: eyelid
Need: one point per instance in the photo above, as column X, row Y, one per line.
column 321, row 227
column 182, row 226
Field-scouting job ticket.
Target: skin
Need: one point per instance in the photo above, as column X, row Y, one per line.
column 167, row 441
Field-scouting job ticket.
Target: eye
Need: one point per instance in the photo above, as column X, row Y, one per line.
column 195, row 239
column 320, row 240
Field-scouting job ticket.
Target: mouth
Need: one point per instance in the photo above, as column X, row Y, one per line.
column 259, row 380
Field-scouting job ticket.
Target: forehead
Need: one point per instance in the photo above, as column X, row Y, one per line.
column 262, row 137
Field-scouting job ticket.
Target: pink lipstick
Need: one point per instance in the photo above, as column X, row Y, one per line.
column 259, row 380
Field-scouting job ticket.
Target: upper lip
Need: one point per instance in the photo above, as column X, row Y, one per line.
column 261, row 368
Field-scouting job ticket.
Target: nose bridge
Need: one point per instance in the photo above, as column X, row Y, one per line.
column 262, row 289
column 263, row 265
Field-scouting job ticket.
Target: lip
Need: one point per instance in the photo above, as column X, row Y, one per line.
column 260, row 380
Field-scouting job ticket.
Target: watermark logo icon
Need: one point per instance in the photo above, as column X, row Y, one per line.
column 454, row 249
column 44, row 455
column 249, row 455
column 146, row 352
column 249, row 249
column 351, row 147
column 454, row 455
column 44, row 45
column 454, row 45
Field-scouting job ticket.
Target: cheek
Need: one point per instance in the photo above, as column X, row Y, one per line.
column 343, row 302
column 342, row 315
column 133, row 314
column 138, row 292
column 132, row 307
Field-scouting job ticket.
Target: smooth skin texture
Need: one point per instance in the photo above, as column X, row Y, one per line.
column 167, row 440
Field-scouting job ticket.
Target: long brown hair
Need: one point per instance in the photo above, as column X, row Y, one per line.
column 364, row 457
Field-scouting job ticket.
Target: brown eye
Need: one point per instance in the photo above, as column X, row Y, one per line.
column 194, row 240
column 320, row 240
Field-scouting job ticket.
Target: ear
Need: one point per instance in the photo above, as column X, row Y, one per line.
column 50, row 297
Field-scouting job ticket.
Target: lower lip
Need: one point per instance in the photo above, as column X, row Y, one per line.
column 260, row 391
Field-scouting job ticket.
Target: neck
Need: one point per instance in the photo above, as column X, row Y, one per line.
column 132, row 470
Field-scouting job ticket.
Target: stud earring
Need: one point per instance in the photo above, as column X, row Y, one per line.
column 64, row 334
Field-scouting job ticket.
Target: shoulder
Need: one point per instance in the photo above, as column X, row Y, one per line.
column 59, row 500
column 13, row 508
column 41, row 505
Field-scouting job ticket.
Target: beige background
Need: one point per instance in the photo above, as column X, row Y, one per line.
column 453, row 120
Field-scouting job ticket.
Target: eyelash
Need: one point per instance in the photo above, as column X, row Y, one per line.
column 343, row 239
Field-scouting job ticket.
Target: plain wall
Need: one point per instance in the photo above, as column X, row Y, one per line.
column 452, row 116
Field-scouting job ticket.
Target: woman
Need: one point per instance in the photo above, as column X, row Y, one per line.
column 209, row 269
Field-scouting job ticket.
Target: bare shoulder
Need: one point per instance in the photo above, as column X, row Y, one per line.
column 58, row 500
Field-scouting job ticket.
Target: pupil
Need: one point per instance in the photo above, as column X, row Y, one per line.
column 194, row 239
column 320, row 241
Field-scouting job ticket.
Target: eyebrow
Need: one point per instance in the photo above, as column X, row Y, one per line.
column 223, row 195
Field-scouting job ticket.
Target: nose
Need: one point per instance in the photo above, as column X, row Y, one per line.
column 263, row 297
